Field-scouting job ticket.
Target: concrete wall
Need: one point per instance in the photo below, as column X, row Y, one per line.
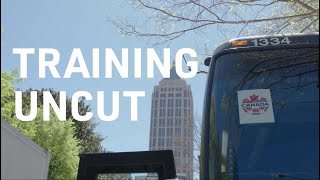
column 21, row 158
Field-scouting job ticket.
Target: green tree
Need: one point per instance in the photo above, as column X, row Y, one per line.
column 58, row 138
column 55, row 136
column 89, row 140
column 8, row 107
column 7, row 91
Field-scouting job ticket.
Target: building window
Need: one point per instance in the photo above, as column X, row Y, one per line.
column 169, row 122
column 161, row 122
column 154, row 142
column 170, row 112
column 178, row 95
column 155, row 122
column 169, row 132
column 160, row 143
column 175, row 155
column 184, row 153
column 156, row 104
column 154, row 132
column 162, row 113
column 177, row 131
column 178, row 102
column 178, row 153
column 178, row 112
column 178, row 122
column 161, row 132
column 170, row 102
column 162, row 103
column 163, row 95
column 185, row 135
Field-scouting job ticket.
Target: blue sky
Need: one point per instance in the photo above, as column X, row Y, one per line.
column 65, row 25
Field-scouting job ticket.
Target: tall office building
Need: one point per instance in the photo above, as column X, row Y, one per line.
column 171, row 124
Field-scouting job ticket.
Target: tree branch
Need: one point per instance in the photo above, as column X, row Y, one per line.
column 309, row 8
column 309, row 25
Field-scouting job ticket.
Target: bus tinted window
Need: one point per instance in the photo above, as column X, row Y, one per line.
column 290, row 144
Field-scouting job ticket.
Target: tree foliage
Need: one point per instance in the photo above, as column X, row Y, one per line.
column 55, row 136
column 114, row 177
column 89, row 140
column 167, row 20
column 58, row 138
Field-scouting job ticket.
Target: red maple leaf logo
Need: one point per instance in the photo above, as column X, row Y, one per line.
column 255, row 105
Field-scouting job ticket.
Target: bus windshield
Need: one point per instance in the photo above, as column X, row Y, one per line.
column 285, row 143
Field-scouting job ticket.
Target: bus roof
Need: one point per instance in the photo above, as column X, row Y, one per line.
column 296, row 38
column 266, row 41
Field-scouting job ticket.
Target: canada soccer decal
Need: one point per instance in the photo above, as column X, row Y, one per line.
column 255, row 105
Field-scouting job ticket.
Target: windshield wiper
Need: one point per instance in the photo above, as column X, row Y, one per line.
column 280, row 175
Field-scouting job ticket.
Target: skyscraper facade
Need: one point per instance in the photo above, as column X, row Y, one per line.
column 172, row 124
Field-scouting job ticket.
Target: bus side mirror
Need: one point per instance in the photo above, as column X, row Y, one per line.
column 207, row 61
